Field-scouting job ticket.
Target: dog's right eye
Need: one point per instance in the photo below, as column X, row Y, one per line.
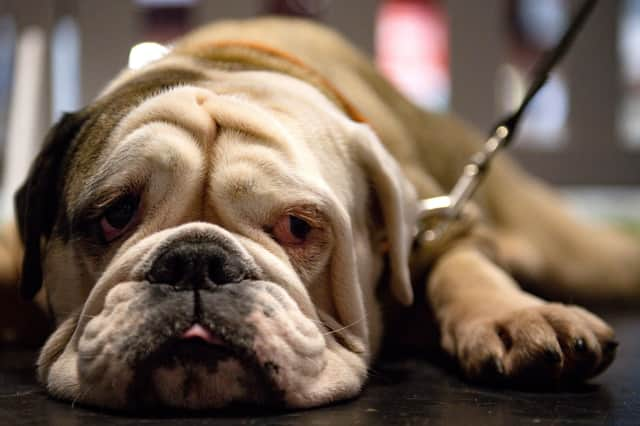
column 291, row 230
column 118, row 217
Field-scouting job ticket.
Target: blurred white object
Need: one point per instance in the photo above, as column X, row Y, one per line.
column 23, row 128
column 143, row 53
column 65, row 67
column 7, row 47
column 629, row 40
column 628, row 120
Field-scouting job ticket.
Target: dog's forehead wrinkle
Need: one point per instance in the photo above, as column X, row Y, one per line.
column 306, row 116
column 233, row 112
column 132, row 160
column 264, row 189
column 260, row 166
column 164, row 106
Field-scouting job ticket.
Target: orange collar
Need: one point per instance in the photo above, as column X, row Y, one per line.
column 254, row 55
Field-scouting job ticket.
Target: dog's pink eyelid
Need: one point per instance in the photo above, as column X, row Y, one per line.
column 110, row 232
column 285, row 235
column 128, row 205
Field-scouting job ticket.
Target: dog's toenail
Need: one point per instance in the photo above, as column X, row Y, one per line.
column 552, row 356
column 505, row 337
column 579, row 345
column 611, row 346
column 492, row 369
column 498, row 366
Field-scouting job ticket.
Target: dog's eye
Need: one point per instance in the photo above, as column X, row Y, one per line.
column 291, row 230
column 118, row 216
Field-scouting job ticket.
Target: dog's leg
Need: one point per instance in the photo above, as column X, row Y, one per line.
column 23, row 322
column 497, row 331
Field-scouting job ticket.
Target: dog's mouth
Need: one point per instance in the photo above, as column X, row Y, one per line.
column 197, row 345
column 198, row 332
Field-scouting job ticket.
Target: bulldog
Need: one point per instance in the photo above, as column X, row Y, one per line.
column 235, row 222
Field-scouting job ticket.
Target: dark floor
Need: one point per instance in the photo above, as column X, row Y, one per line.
column 408, row 392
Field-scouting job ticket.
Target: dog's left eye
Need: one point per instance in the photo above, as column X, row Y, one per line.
column 291, row 230
column 118, row 216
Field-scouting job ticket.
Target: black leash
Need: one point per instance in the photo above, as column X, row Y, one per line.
column 436, row 215
column 548, row 62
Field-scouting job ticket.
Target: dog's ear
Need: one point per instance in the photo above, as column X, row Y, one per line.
column 398, row 203
column 37, row 200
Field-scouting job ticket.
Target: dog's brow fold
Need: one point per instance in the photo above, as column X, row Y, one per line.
column 126, row 170
column 95, row 201
column 101, row 190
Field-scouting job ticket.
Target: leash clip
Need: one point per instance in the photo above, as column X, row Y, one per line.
column 441, row 219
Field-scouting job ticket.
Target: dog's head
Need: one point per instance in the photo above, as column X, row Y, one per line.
column 207, row 237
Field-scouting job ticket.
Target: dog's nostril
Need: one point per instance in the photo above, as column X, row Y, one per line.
column 195, row 264
column 169, row 268
column 214, row 272
column 230, row 271
column 173, row 269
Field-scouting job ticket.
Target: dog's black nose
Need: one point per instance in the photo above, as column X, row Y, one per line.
column 194, row 264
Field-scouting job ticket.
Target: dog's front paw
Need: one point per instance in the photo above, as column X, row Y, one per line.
column 544, row 344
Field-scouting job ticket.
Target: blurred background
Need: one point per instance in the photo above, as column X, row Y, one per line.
column 472, row 58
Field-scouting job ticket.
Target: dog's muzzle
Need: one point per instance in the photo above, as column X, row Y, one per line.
column 198, row 325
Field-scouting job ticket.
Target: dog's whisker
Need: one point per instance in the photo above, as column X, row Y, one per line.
column 345, row 327
column 80, row 396
column 373, row 372
column 67, row 313
column 88, row 316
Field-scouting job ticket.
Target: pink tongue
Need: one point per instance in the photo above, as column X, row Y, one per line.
column 196, row 331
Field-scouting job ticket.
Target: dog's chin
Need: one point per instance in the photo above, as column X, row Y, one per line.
column 196, row 374
column 152, row 346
